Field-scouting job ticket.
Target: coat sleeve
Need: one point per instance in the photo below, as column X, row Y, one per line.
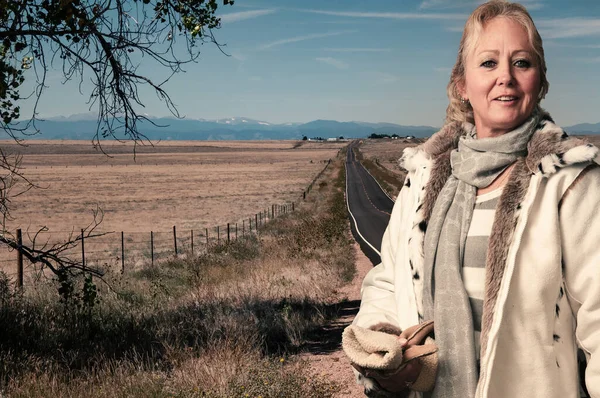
column 580, row 230
column 386, row 284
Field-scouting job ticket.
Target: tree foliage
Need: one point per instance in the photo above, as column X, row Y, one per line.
column 105, row 42
column 101, row 41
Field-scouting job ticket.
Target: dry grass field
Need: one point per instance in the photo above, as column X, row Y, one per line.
column 226, row 322
column 387, row 151
column 193, row 185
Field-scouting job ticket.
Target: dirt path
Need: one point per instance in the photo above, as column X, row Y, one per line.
column 325, row 353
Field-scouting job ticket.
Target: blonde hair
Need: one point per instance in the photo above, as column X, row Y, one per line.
column 462, row 111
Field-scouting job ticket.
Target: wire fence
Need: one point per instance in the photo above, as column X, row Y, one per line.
column 121, row 251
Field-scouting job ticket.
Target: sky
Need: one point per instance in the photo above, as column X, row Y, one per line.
column 357, row 60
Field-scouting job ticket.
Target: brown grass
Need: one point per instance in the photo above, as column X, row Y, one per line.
column 221, row 324
column 193, row 185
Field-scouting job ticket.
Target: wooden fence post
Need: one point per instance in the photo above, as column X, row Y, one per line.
column 82, row 250
column 122, row 252
column 192, row 244
column 218, row 236
column 236, row 237
column 273, row 211
column 206, row 239
column 304, row 195
column 293, row 205
column 152, row 247
column 175, row 239
column 243, row 228
column 19, row 259
column 228, row 237
column 256, row 221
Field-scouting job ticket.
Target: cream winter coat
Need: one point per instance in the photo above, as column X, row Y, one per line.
column 542, row 294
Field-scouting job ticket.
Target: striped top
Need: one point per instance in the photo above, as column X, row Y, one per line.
column 473, row 271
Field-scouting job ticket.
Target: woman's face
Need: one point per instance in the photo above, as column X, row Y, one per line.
column 502, row 78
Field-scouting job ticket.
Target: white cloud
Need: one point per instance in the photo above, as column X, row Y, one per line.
column 302, row 38
column 446, row 4
column 336, row 63
column 383, row 78
column 569, row 45
column 443, row 69
column 359, row 50
column 387, row 15
column 238, row 56
column 561, row 28
column 458, row 29
column 243, row 15
column 593, row 60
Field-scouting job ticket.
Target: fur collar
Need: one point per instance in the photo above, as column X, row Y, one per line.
column 550, row 148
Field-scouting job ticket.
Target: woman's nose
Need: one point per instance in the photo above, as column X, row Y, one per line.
column 505, row 76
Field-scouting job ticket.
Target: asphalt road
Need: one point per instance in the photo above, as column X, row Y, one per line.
column 369, row 207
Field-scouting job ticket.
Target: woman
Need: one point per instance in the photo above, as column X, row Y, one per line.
column 494, row 236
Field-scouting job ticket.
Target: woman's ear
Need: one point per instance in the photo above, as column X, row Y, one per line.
column 461, row 90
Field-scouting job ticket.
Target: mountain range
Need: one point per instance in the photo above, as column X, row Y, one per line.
column 83, row 126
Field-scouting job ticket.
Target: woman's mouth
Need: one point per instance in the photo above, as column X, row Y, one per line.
column 507, row 99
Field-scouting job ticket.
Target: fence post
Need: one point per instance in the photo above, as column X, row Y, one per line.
column 19, row 259
column 293, row 205
column 82, row 250
column 122, row 252
column 273, row 211
column 243, row 228
column 152, row 247
column 304, row 195
column 175, row 239
column 206, row 239
column 228, row 237
column 218, row 236
column 192, row 236
column 256, row 221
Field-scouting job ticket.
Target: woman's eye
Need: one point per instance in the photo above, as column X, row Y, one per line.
column 522, row 63
column 488, row 64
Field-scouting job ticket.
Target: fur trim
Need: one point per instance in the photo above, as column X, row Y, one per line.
column 551, row 148
column 386, row 328
column 440, row 172
column 412, row 157
column 444, row 140
column 505, row 222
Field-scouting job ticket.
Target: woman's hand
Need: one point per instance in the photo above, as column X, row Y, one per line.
column 399, row 381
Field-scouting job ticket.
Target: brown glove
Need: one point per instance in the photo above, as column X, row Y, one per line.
column 413, row 367
column 424, row 350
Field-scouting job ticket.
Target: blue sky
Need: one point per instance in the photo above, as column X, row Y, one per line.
column 375, row 61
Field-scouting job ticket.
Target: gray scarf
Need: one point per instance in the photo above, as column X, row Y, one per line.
column 475, row 164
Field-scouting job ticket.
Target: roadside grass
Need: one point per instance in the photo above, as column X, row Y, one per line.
column 225, row 323
column 391, row 182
